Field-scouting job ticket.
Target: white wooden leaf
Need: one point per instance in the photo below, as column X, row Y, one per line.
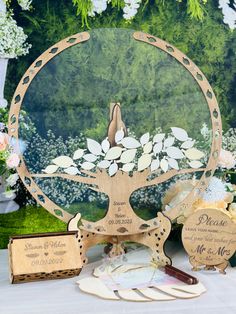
column 72, row 171
column 50, row 169
column 94, row 147
column 180, row 134
column 90, row 157
column 87, row 165
column 119, row 136
column 147, row 148
column 173, row 163
column 128, row 156
column 78, row 154
column 144, row 138
column 195, row 164
column 144, row 162
column 130, row 142
column 164, row 165
column 105, row 145
column 113, row 169
column 157, row 148
column 174, row 152
column 63, row 161
column 113, row 153
column 169, row 141
column 128, row 167
column 187, row 144
column 155, row 164
column 104, row 164
column 194, row 154
column 158, row 137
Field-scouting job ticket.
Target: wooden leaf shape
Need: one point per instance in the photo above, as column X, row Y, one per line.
column 128, row 167
column 90, row 157
column 173, row 163
column 187, row 144
column 164, row 165
column 130, row 142
column 157, row 148
column 113, row 153
column 147, row 148
column 195, row 164
column 144, row 162
column 113, row 169
column 104, row 164
column 50, row 169
column 144, row 138
column 87, row 165
column 128, row 156
column 72, row 171
column 78, row 154
column 158, row 137
column 119, row 136
column 180, row 134
column 174, row 152
column 194, row 154
column 169, row 141
column 63, row 161
column 105, row 145
column 155, row 164
column 94, row 147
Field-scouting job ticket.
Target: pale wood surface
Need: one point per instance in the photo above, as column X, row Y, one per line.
column 209, row 237
column 44, row 256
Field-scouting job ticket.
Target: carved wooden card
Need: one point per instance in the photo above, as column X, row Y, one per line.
column 209, row 237
column 44, row 256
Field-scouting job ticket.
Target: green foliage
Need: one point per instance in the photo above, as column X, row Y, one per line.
column 195, row 9
column 30, row 219
column 209, row 43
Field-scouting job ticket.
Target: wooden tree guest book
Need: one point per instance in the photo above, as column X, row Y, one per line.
column 99, row 145
column 44, row 256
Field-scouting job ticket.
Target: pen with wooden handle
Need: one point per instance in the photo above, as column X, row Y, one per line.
column 180, row 275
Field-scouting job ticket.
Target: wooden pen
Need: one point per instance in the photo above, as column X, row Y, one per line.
column 180, row 275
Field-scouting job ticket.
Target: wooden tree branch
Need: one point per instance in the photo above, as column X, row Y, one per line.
column 80, row 179
column 165, row 176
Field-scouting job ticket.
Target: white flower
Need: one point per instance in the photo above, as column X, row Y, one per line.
column 226, row 159
column 205, row 131
column 11, row 180
column 25, row 4
column 131, row 8
column 98, row 6
column 12, row 38
column 216, row 191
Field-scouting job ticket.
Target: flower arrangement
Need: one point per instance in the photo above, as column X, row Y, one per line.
column 9, row 160
column 195, row 8
column 91, row 8
column 12, row 37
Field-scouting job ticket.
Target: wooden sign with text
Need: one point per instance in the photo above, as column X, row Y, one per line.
column 44, row 256
column 209, row 237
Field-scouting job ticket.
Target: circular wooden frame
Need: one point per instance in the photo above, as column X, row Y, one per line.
column 201, row 80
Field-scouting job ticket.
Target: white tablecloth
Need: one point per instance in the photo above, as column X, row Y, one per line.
column 64, row 297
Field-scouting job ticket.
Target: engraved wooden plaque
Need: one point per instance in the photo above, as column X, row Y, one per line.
column 44, row 256
column 209, row 237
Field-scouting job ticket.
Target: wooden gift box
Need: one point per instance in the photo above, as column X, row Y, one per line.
column 44, row 256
